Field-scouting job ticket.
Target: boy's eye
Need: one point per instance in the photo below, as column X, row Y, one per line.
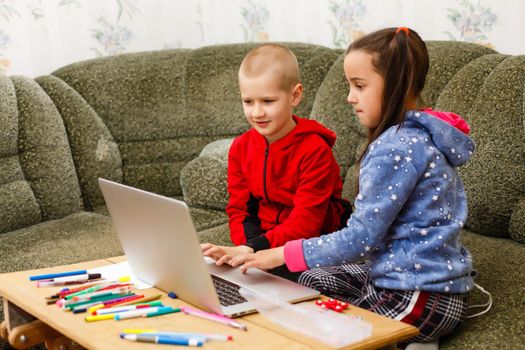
column 268, row 101
column 246, row 102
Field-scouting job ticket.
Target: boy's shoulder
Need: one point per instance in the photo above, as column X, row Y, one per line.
column 247, row 136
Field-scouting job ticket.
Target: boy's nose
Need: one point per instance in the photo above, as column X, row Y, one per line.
column 257, row 111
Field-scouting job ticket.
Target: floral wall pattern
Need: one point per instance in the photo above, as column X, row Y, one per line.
column 348, row 15
column 39, row 36
column 112, row 36
column 471, row 21
column 256, row 17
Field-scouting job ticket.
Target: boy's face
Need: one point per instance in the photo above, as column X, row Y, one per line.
column 267, row 107
column 366, row 87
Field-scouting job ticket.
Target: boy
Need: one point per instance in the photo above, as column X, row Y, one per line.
column 283, row 180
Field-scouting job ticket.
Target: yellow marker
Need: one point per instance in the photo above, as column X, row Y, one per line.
column 138, row 330
column 100, row 317
column 94, row 308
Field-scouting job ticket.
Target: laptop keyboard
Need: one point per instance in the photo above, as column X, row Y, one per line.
column 227, row 291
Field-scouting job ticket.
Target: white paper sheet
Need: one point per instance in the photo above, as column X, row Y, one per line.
column 113, row 272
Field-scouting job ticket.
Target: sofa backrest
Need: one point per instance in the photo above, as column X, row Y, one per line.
column 139, row 118
column 122, row 115
column 490, row 93
column 37, row 175
column 213, row 103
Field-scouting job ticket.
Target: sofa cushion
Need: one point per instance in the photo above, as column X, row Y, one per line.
column 44, row 152
column 204, row 219
column 204, row 179
column 38, row 180
column 446, row 59
column 81, row 236
column 94, row 150
column 501, row 271
column 219, row 235
column 140, row 98
column 495, row 176
column 517, row 222
column 462, row 90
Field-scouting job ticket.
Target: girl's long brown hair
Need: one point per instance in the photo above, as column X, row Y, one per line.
column 400, row 56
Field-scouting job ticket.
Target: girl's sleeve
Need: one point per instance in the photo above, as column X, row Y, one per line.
column 387, row 179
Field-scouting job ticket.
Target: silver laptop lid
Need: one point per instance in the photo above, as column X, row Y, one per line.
column 160, row 243
column 162, row 248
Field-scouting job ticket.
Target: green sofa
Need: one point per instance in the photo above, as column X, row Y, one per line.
column 163, row 121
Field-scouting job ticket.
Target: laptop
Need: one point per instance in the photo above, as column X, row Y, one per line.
column 160, row 242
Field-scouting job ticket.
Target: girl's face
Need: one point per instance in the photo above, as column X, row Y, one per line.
column 366, row 87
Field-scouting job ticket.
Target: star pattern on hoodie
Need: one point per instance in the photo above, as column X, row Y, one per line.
column 407, row 172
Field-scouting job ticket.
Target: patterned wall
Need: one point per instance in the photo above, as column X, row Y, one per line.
column 38, row 36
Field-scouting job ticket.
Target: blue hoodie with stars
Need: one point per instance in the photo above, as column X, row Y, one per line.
column 409, row 211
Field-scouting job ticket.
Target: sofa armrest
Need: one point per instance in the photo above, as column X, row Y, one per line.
column 204, row 179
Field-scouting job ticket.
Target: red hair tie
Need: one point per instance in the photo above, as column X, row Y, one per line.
column 405, row 29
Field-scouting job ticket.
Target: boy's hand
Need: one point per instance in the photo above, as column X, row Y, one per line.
column 264, row 259
column 223, row 254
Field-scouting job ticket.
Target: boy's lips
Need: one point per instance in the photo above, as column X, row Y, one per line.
column 263, row 123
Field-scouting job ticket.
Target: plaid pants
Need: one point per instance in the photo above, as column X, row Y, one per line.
column 434, row 314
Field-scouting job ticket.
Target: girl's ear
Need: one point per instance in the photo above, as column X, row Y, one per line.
column 297, row 94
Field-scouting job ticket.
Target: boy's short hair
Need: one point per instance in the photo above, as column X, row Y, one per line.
column 277, row 58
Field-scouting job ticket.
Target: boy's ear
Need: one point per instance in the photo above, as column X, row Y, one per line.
column 297, row 94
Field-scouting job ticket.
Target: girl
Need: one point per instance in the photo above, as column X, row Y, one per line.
column 411, row 204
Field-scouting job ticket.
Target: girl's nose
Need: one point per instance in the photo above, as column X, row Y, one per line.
column 351, row 99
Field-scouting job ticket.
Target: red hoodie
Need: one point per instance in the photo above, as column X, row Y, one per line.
column 286, row 190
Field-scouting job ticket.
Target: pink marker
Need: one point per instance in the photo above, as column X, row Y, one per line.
column 213, row 317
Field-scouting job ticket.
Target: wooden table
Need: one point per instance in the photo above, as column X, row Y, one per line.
column 29, row 321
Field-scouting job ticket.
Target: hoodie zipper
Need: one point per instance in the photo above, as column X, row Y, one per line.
column 265, row 167
column 279, row 214
column 264, row 170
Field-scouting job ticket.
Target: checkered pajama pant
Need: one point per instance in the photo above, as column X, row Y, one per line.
column 434, row 314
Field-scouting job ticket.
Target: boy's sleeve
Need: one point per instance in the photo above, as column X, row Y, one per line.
column 242, row 206
column 387, row 180
column 316, row 184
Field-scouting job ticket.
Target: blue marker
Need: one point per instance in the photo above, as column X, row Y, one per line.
column 162, row 339
column 54, row 275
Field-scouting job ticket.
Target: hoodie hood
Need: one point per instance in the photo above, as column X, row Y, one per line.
column 304, row 127
column 451, row 118
column 455, row 145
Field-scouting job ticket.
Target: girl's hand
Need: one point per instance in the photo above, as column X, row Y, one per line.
column 263, row 259
column 223, row 254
